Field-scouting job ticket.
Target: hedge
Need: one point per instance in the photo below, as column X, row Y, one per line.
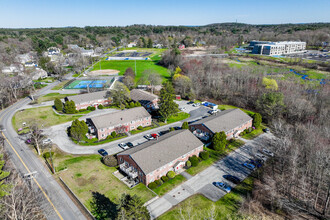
column 194, row 160
column 152, row 185
column 188, row 164
column 170, row 174
column 110, row 161
column 159, row 182
column 204, row 155
column 164, row 178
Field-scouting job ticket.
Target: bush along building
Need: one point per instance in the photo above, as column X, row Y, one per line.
column 93, row 99
column 232, row 122
column 119, row 122
column 152, row 160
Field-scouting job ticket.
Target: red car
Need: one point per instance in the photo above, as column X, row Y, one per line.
column 154, row 135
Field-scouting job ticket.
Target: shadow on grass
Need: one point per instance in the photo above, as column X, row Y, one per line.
column 103, row 207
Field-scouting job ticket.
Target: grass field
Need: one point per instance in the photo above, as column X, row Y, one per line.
column 44, row 116
column 141, row 65
column 87, row 174
column 169, row 185
column 214, row 157
column 255, row 133
column 60, row 85
column 226, row 107
column 198, row 207
column 53, row 96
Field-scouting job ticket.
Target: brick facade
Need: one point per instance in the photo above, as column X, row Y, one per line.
column 94, row 103
column 174, row 165
column 102, row 133
column 230, row 134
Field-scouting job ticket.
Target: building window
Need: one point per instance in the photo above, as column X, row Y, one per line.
column 121, row 159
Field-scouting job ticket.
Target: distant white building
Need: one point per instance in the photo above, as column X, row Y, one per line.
column 13, row 68
column 277, row 48
column 159, row 46
column 30, row 64
column 132, row 44
column 53, row 51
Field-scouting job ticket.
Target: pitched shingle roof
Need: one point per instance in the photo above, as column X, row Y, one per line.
column 120, row 117
column 156, row 153
column 139, row 95
column 87, row 97
column 225, row 120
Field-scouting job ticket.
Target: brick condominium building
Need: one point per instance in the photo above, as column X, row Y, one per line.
column 152, row 160
column 95, row 99
column 120, row 122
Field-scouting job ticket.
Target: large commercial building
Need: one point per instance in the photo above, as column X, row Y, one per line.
column 277, row 48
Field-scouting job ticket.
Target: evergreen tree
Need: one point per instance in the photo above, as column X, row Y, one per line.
column 150, row 43
column 78, row 130
column 131, row 207
column 69, row 107
column 185, row 125
column 58, row 104
column 219, row 141
column 167, row 106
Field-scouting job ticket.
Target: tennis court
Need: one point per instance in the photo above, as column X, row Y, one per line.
column 83, row 84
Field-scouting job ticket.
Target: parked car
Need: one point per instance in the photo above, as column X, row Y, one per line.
column 255, row 163
column 261, row 156
column 266, row 130
column 103, row 152
column 124, row 146
column 196, row 104
column 222, row 186
column 154, row 135
column 148, row 137
column 249, row 165
column 47, row 141
column 232, row 178
column 129, row 144
column 28, row 141
column 191, row 102
column 163, row 132
column 213, row 111
column 182, row 109
column 268, row 152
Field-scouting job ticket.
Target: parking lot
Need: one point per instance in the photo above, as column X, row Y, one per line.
column 202, row 182
column 312, row 55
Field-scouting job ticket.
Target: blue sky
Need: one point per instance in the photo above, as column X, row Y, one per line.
column 62, row 13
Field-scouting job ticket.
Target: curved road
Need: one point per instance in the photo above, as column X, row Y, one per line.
column 58, row 204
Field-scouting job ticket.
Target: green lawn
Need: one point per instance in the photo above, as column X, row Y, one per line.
column 226, row 107
column 214, row 157
column 53, row 96
column 169, row 185
column 60, row 85
column 87, row 174
column 46, row 80
column 255, row 133
column 43, row 116
column 198, row 207
column 95, row 141
column 177, row 117
column 144, row 129
column 141, row 65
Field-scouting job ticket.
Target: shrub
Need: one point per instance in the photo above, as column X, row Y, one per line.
column 47, row 155
column 172, row 129
column 100, row 107
column 137, row 104
column 185, row 125
column 164, row 178
column 58, row 104
column 131, row 105
column 113, row 134
column 204, row 155
column 110, row 161
column 93, row 108
column 140, row 127
column 170, row 174
column 194, row 160
column 152, row 185
column 89, row 108
column 159, row 182
column 188, row 164
column 82, row 110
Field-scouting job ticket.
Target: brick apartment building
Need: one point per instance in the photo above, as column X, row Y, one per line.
column 232, row 122
column 147, row 99
column 152, row 160
column 120, row 122
column 89, row 99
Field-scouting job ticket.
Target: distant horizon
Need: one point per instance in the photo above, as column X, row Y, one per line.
column 17, row 14
column 179, row 25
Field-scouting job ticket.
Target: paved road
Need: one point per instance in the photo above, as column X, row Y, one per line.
column 202, row 182
column 57, row 204
column 58, row 133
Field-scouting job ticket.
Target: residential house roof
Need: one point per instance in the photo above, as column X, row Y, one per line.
column 156, row 153
column 139, row 95
column 88, row 97
column 120, row 117
column 225, row 120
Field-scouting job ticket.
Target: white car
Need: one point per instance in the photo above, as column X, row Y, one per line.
column 47, row 141
column 124, row 146
column 261, row 156
column 196, row 104
column 267, row 152
column 182, row 109
column 213, row 111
